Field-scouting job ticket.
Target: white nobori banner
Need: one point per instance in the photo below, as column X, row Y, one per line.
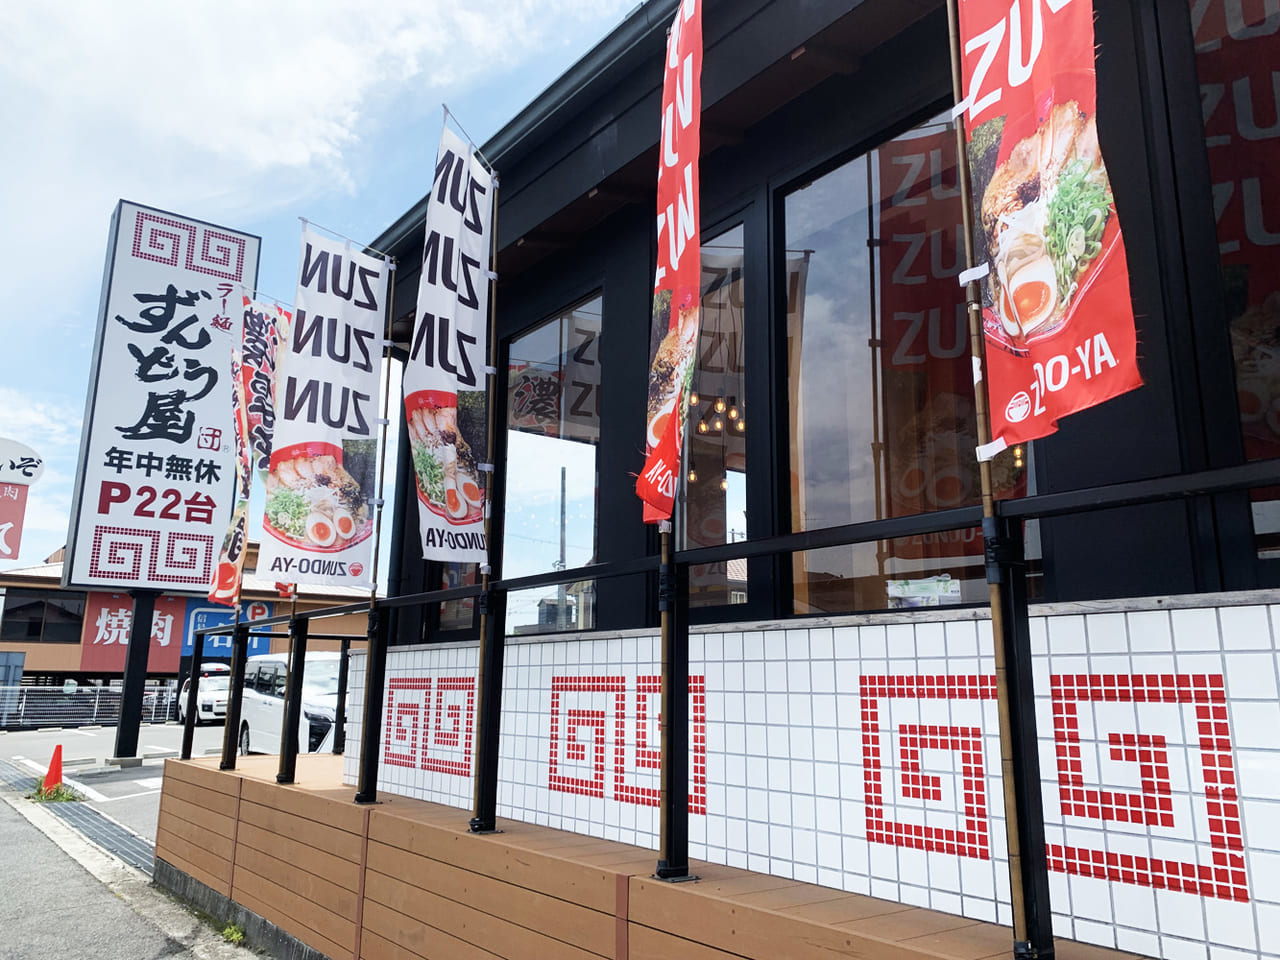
column 444, row 381
column 319, row 521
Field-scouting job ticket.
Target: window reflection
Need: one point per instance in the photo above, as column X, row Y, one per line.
column 880, row 380
column 1237, row 58
column 553, row 430
column 713, row 494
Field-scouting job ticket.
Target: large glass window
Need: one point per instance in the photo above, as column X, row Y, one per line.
column 882, row 420
column 1238, row 61
column 553, row 431
column 713, row 496
column 34, row 616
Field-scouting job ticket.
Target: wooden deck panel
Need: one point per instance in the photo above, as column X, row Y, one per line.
column 214, row 823
column 500, row 856
column 412, row 939
column 647, row 944
column 203, row 773
column 288, row 876
column 213, row 842
column 433, row 890
column 581, row 926
column 270, row 911
column 190, row 858
column 321, row 836
column 223, row 803
column 306, row 920
column 321, row 863
column 468, row 924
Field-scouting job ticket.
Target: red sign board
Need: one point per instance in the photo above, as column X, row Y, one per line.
column 1057, row 317
column 108, row 618
column 13, row 508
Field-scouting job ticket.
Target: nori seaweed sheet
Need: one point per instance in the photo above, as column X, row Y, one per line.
column 360, row 459
column 984, row 149
column 473, row 421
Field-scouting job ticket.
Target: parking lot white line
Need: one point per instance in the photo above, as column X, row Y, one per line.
column 84, row 733
column 150, row 783
column 127, row 796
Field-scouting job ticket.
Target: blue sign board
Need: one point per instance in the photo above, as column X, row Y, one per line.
column 201, row 614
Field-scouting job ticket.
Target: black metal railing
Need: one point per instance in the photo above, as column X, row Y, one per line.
column 1007, row 561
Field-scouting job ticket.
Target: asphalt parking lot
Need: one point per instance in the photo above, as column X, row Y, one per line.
column 128, row 795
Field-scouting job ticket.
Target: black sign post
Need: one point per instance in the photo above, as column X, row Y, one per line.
column 135, row 673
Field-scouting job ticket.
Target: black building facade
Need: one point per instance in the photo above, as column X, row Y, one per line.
column 809, row 112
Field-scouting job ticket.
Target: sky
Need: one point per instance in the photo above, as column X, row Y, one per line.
column 247, row 115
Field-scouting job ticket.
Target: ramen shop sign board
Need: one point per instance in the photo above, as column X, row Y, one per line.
column 1057, row 319
column 154, row 482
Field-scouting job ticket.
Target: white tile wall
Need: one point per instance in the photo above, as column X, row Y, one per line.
column 1163, row 715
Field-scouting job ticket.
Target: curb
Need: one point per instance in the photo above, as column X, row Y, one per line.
column 130, row 885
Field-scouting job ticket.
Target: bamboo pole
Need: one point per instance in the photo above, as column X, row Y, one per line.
column 973, row 297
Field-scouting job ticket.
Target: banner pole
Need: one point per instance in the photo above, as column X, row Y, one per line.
column 1032, row 932
column 383, row 423
column 492, row 614
column 375, row 673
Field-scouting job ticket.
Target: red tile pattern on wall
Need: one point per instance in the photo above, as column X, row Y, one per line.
column 970, row 841
column 565, row 724
column 1225, row 877
column 416, row 729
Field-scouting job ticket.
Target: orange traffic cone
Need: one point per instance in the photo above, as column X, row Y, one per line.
column 54, row 776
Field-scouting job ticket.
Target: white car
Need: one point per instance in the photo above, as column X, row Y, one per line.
column 262, row 706
column 211, row 699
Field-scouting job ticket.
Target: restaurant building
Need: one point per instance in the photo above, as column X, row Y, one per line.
column 843, row 721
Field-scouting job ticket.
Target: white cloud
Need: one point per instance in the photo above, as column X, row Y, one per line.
column 234, row 111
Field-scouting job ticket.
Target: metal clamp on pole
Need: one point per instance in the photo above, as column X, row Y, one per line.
column 293, row 701
column 231, row 734
column 1001, row 552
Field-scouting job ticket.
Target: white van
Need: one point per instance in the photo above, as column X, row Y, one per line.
column 262, row 707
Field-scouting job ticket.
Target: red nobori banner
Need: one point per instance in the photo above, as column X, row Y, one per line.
column 677, row 282
column 1057, row 317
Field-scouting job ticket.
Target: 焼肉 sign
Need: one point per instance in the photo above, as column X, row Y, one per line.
column 155, row 483
column 1057, row 318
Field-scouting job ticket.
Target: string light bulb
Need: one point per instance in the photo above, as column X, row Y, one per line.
column 733, row 408
column 719, row 404
column 693, row 473
column 1017, row 455
column 717, row 424
column 724, row 483
column 702, row 426
column 741, row 425
column 693, row 398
